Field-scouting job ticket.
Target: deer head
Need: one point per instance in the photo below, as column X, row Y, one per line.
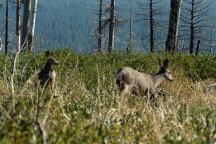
column 164, row 70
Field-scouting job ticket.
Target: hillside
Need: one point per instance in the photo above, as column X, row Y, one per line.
column 71, row 24
column 86, row 107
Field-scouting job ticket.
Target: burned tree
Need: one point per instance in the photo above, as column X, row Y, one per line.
column 194, row 21
column 25, row 22
column 172, row 37
column 100, row 27
column 111, row 26
column 18, row 33
column 102, row 22
column 28, row 25
column 32, row 21
column 150, row 13
column 6, row 28
column 129, row 46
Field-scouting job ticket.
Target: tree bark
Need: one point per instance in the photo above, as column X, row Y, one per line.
column 18, row 38
column 0, row 44
column 6, row 28
column 32, row 21
column 192, row 28
column 171, row 42
column 151, row 26
column 177, row 28
column 111, row 26
column 129, row 46
column 100, row 28
column 25, row 22
column 197, row 48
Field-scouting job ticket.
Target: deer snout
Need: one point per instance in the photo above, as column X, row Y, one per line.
column 169, row 76
column 171, row 79
column 56, row 63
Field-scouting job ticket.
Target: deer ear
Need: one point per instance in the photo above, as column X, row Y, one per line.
column 166, row 63
column 159, row 62
column 47, row 53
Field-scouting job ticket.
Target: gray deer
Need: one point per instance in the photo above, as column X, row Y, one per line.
column 47, row 75
column 142, row 84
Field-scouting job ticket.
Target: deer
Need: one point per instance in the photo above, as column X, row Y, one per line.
column 142, row 84
column 47, row 75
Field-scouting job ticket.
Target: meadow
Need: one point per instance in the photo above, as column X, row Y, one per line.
column 86, row 107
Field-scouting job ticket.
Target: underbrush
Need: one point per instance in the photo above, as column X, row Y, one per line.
column 86, row 107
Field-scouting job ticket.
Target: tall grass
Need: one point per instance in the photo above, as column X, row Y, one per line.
column 86, row 106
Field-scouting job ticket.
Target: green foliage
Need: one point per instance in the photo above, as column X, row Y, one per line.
column 86, row 107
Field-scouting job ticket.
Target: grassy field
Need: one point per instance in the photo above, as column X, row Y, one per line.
column 86, row 106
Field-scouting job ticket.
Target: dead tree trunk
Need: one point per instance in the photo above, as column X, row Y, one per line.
column 192, row 28
column 152, row 14
column 100, row 27
column 151, row 26
column 197, row 48
column 129, row 47
column 25, row 22
column 6, row 28
column 18, row 38
column 194, row 20
column 0, row 43
column 171, row 42
column 32, row 21
column 177, row 28
column 111, row 26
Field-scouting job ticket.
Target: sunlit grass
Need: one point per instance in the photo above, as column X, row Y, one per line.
column 86, row 107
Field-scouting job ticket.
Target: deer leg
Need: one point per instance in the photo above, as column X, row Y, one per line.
column 150, row 95
column 137, row 91
column 124, row 89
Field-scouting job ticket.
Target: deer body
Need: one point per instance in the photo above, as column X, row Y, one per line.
column 141, row 84
column 47, row 75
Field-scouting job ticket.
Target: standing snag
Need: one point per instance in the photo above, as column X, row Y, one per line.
column 47, row 75
column 142, row 84
column 172, row 36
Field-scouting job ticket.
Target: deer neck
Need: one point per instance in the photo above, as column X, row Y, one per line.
column 158, row 79
column 45, row 71
column 48, row 67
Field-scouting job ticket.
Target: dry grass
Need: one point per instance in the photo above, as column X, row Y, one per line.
column 75, row 113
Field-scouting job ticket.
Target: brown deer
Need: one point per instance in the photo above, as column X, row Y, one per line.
column 47, row 75
column 142, row 84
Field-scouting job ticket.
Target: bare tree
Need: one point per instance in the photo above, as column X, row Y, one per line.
column 111, row 26
column 151, row 10
column 172, row 37
column 100, row 27
column 6, row 28
column 1, row 5
column 25, row 22
column 194, row 20
column 103, row 21
column 0, row 44
column 129, row 47
column 18, row 33
column 151, row 26
column 32, row 21
column 192, row 26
